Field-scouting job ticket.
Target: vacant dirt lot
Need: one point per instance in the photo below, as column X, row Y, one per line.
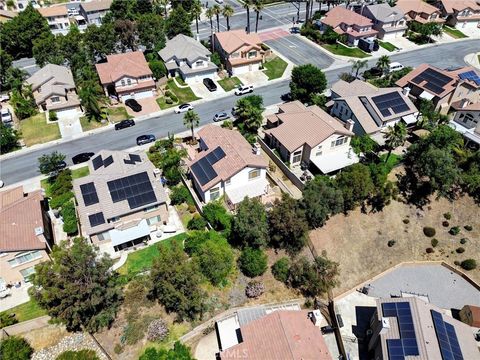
column 359, row 241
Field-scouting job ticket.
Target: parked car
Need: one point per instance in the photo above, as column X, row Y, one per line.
column 6, row 116
column 327, row 329
column 134, row 105
column 183, row 108
column 244, row 89
column 209, row 84
column 4, row 97
column 82, row 157
column 145, row 139
column 124, row 124
column 395, row 66
column 295, row 30
column 219, row 1
column 61, row 165
column 220, row 116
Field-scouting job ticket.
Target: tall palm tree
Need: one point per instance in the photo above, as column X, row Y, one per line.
column 191, row 120
column 228, row 12
column 246, row 5
column 358, row 65
column 210, row 14
column 258, row 6
column 217, row 10
column 383, row 63
column 395, row 137
column 196, row 11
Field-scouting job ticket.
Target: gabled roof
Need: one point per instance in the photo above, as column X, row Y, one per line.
column 385, row 13
column 234, row 39
column 184, row 47
column 238, row 154
column 8, row 14
column 52, row 74
column 96, row 5
column 125, row 64
column 417, row 6
column 52, row 11
column 301, row 125
column 20, row 215
column 339, row 15
column 451, row 6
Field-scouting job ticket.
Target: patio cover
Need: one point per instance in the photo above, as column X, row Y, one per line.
column 409, row 119
column 335, row 160
column 426, row 95
column 122, row 236
column 251, row 190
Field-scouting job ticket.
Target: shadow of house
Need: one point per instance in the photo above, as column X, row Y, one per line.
column 363, row 315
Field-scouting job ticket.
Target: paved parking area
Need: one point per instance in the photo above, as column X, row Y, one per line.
column 298, row 51
column 149, row 105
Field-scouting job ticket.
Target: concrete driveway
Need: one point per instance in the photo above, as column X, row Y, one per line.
column 256, row 78
column 149, row 105
column 207, row 347
column 202, row 92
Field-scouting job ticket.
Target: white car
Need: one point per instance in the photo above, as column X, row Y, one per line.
column 6, row 116
column 395, row 66
column 244, row 89
column 219, row 1
column 183, row 108
column 4, row 97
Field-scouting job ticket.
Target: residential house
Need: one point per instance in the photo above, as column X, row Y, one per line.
column 94, row 11
column 6, row 15
column 467, row 121
column 227, row 165
column 188, row 58
column 121, row 203
column 18, row 5
column 126, row 76
column 272, row 333
column 240, row 52
column 347, row 22
column 420, row 11
column 26, row 235
column 470, row 315
column 462, row 14
column 390, row 22
column 410, row 328
column 57, row 18
column 442, row 87
column 371, row 109
column 308, row 135
column 29, row 65
column 54, row 90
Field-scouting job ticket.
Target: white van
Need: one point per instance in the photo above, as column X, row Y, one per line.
column 395, row 66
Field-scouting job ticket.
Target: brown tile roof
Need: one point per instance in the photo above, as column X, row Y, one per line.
column 238, row 153
column 119, row 65
column 310, row 125
column 20, row 215
column 451, row 6
column 356, row 87
column 281, row 335
column 339, row 15
column 234, row 39
column 469, row 106
column 52, row 11
column 417, row 6
column 96, row 5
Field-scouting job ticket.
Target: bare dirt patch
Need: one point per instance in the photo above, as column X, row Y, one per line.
column 359, row 241
column 45, row 337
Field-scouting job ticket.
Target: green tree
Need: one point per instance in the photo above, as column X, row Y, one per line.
column 77, row 287
column 258, row 6
column 249, row 113
column 121, row 9
column 227, row 12
column 210, row 13
column 8, row 138
column 218, row 217
column 150, row 31
column 191, row 120
column 14, row 79
column 46, row 51
column 142, row 7
column 5, row 63
column 287, row 225
column 15, row 348
column 158, row 68
column 127, row 34
column 383, row 63
column 23, row 102
column 252, row 262
column 363, row 144
column 395, row 137
column 356, row 185
column 178, row 22
column 247, row 4
column 90, row 93
column 100, row 41
column 196, row 12
column 175, row 282
column 168, row 159
column 249, row 225
column 49, row 164
column 307, row 80
column 217, row 10
column 215, row 257
column 179, row 352
column 280, row 269
column 358, row 65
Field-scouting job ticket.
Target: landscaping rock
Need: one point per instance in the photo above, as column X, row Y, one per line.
column 75, row 342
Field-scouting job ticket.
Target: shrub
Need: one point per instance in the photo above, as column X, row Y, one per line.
column 192, row 208
column 429, row 250
column 197, row 223
column 254, row 289
column 59, row 201
column 447, row 216
column 391, row 243
column 456, row 262
column 52, row 116
column 62, row 183
column 168, row 101
column 157, row 330
column 180, row 195
column 460, row 250
column 118, row 349
column 217, row 216
column 173, row 97
column 85, row 354
column 280, row 269
column 454, row 230
column 468, row 227
column 15, row 348
column 445, row 223
column 429, row 231
column 253, row 262
column 434, row 242
column 469, row 264
column 7, row 319
column 69, row 218
column 406, row 221
column 168, row 93
column 463, row 241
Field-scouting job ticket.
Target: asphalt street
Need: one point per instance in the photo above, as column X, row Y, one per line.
column 25, row 165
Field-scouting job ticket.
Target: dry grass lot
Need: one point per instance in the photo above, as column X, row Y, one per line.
column 359, row 241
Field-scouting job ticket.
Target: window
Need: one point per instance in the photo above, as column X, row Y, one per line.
column 26, row 273
column 129, row 82
column 24, row 257
column 252, row 54
column 214, row 193
column 55, row 99
column 153, row 220
column 339, row 141
column 228, row 182
column 114, row 219
column 253, row 174
column 123, row 82
column 297, row 156
column 104, row 236
column 199, row 63
column 151, row 208
column 319, row 151
column 467, row 118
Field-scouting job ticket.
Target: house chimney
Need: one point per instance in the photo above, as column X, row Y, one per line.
column 349, row 124
column 256, row 149
column 406, row 91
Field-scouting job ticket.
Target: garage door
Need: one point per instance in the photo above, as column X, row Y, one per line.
column 241, row 69
column 143, row 94
column 67, row 113
column 125, row 97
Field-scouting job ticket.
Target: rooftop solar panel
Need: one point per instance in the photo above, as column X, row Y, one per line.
column 447, row 338
column 136, row 189
column 97, row 162
column 203, row 169
column 435, row 80
column 108, row 161
column 470, row 75
column 135, row 158
column 391, row 103
column 89, row 193
column 407, row 344
column 96, row 219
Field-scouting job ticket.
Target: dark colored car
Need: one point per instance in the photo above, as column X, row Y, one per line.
column 295, row 30
column 209, row 84
column 134, row 105
column 327, row 329
column 124, row 124
column 145, row 139
column 61, row 165
column 83, row 157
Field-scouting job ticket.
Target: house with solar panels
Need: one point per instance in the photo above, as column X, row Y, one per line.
column 442, row 86
column 409, row 328
column 227, row 165
column 121, row 203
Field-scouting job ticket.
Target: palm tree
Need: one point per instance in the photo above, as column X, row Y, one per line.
column 210, row 13
column 246, row 5
column 358, row 65
column 383, row 63
column 191, row 120
column 196, row 11
column 217, row 10
column 258, row 6
column 395, row 137
column 228, row 12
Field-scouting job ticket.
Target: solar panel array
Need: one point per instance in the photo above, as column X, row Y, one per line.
column 470, row 75
column 133, row 158
column 96, row 219
column 407, row 344
column 447, row 338
column 97, row 162
column 108, row 161
column 136, row 189
column 435, row 80
column 203, row 168
column 89, row 193
column 392, row 102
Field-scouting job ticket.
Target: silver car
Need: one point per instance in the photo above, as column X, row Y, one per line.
column 220, row 116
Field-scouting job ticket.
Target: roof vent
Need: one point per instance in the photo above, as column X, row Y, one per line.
column 38, row 231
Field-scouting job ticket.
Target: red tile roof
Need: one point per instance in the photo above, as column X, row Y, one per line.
column 417, row 6
column 339, row 15
column 234, row 39
column 458, row 5
column 131, row 64
column 280, row 335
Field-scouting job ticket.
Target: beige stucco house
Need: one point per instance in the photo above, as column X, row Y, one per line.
column 462, row 14
column 420, row 11
column 57, row 18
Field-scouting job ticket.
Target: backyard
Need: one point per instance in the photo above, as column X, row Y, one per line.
column 35, row 130
column 455, row 33
column 339, row 49
column 229, row 83
column 181, row 95
column 275, row 68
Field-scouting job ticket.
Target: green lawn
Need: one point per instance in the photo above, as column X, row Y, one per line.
column 180, row 80
column 457, row 34
column 229, row 83
column 163, row 104
column 141, row 260
column 393, row 160
column 184, row 95
column 387, row 46
column 90, row 125
column 27, row 311
column 80, row 172
column 339, row 49
column 117, row 114
column 275, row 68
column 35, row 130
